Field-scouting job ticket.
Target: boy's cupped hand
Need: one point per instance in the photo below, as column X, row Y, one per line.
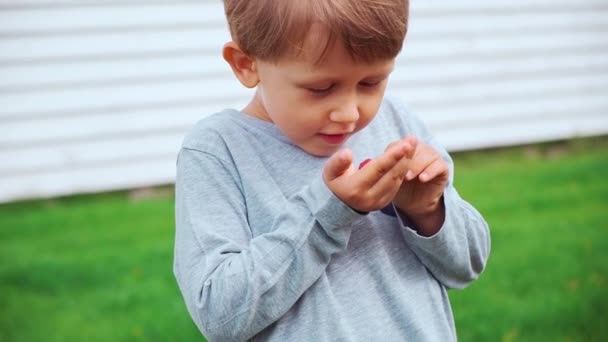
column 409, row 173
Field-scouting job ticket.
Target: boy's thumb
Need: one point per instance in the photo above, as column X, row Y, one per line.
column 337, row 164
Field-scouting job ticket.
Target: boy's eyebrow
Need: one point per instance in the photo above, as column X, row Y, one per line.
column 331, row 79
column 313, row 80
column 380, row 75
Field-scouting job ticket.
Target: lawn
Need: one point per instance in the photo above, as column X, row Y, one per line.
column 98, row 267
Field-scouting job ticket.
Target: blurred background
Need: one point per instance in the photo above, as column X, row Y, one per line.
column 96, row 95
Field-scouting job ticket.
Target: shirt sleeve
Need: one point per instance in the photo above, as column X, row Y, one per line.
column 235, row 284
column 457, row 254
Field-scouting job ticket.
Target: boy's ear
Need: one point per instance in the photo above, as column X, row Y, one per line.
column 242, row 65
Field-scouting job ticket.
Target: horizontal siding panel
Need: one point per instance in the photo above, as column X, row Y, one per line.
column 50, row 158
column 135, row 124
column 138, row 173
column 523, row 132
column 493, row 90
column 80, row 101
column 483, row 24
column 83, row 20
column 416, row 49
column 512, row 110
column 111, row 44
column 522, row 65
column 24, row 77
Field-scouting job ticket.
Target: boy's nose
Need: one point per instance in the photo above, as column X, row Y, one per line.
column 348, row 112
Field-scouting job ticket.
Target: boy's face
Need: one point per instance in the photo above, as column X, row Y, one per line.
column 319, row 105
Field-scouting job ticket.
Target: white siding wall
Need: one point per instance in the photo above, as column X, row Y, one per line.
column 96, row 95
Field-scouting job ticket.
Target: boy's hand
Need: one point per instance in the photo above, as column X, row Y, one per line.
column 374, row 186
column 420, row 194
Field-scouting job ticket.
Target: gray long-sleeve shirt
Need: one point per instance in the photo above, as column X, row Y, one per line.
column 265, row 251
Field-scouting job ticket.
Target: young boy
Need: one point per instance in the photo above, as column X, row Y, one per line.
column 280, row 236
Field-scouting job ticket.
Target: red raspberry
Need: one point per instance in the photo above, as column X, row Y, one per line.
column 363, row 163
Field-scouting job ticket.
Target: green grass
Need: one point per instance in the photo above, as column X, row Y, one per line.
column 98, row 267
column 547, row 276
column 90, row 268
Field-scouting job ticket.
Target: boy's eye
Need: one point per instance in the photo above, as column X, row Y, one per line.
column 320, row 91
column 370, row 84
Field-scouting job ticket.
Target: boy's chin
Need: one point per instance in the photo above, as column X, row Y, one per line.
column 321, row 151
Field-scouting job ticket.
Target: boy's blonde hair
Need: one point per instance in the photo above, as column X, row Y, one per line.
column 370, row 30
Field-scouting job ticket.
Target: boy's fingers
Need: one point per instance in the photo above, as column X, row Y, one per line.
column 424, row 157
column 392, row 180
column 397, row 173
column 438, row 168
column 380, row 166
column 337, row 164
column 410, row 139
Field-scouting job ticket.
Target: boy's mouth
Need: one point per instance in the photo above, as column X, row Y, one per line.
column 333, row 139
